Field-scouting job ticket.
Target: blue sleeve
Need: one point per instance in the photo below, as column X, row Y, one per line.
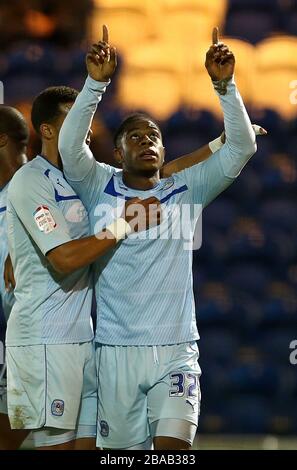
column 208, row 179
column 87, row 176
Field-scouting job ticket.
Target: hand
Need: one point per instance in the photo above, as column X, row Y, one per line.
column 258, row 131
column 220, row 61
column 101, row 61
column 142, row 214
column 8, row 275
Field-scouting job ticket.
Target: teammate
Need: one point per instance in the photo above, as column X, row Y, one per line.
column 14, row 136
column 147, row 357
column 51, row 374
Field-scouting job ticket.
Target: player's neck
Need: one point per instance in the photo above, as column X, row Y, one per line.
column 51, row 153
column 142, row 182
column 4, row 178
column 8, row 169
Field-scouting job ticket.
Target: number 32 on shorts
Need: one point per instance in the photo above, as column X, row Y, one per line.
column 183, row 384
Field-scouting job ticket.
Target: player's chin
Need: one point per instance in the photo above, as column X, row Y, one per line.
column 153, row 164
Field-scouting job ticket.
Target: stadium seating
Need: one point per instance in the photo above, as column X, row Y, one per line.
column 276, row 71
column 150, row 80
column 128, row 21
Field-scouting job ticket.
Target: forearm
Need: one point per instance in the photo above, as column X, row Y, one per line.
column 186, row 161
column 240, row 136
column 76, row 156
column 78, row 254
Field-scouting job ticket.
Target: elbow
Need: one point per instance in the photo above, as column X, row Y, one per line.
column 250, row 148
column 254, row 147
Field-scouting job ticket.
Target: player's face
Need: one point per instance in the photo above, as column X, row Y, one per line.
column 142, row 147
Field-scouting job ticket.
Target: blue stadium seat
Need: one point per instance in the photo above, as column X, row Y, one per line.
column 214, row 305
column 253, row 376
column 275, row 343
column 216, row 344
column 247, row 414
column 278, row 212
column 248, row 277
column 220, row 214
column 32, row 58
column 251, row 25
column 186, row 131
column 20, row 87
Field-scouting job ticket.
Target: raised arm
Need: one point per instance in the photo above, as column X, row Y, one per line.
column 211, row 177
column 77, row 157
column 240, row 137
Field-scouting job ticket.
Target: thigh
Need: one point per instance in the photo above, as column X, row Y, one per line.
column 3, row 394
column 122, row 402
column 10, row 439
column 54, row 439
column 174, row 400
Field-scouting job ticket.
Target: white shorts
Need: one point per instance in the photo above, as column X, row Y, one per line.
column 147, row 391
column 52, row 386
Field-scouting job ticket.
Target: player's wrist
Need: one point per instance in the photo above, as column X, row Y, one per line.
column 97, row 85
column 119, row 228
column 221, row 86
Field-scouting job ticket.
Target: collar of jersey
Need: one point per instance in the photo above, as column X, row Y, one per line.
column 50, row 163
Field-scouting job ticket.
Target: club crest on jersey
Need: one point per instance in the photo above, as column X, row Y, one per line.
column 168, row 185
column 44, row 219
column 104, row 429
column 57, row 407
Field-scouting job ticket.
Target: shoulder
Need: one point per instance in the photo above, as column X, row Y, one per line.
column 108, row 169
column 28, row 178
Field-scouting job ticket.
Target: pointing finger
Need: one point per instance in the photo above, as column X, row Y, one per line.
column 105, row 34
column 215, row 35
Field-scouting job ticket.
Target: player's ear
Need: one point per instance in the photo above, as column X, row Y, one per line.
column 46, row 131
column 3, row 140
column 118, row 155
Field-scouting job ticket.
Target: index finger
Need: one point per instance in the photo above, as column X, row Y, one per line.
column 215, row 35
column 105, row 34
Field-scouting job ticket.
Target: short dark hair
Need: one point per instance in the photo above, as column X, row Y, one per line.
column 13, row 124
column 45, row 107
column 128, row 120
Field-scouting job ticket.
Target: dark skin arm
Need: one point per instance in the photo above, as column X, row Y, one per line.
column 186, row 161
column 197, row 156
column 220, row 65
column 140, row 214
column 77, row 254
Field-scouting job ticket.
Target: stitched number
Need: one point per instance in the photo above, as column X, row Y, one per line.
column 192, row 386
column 177, row 384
